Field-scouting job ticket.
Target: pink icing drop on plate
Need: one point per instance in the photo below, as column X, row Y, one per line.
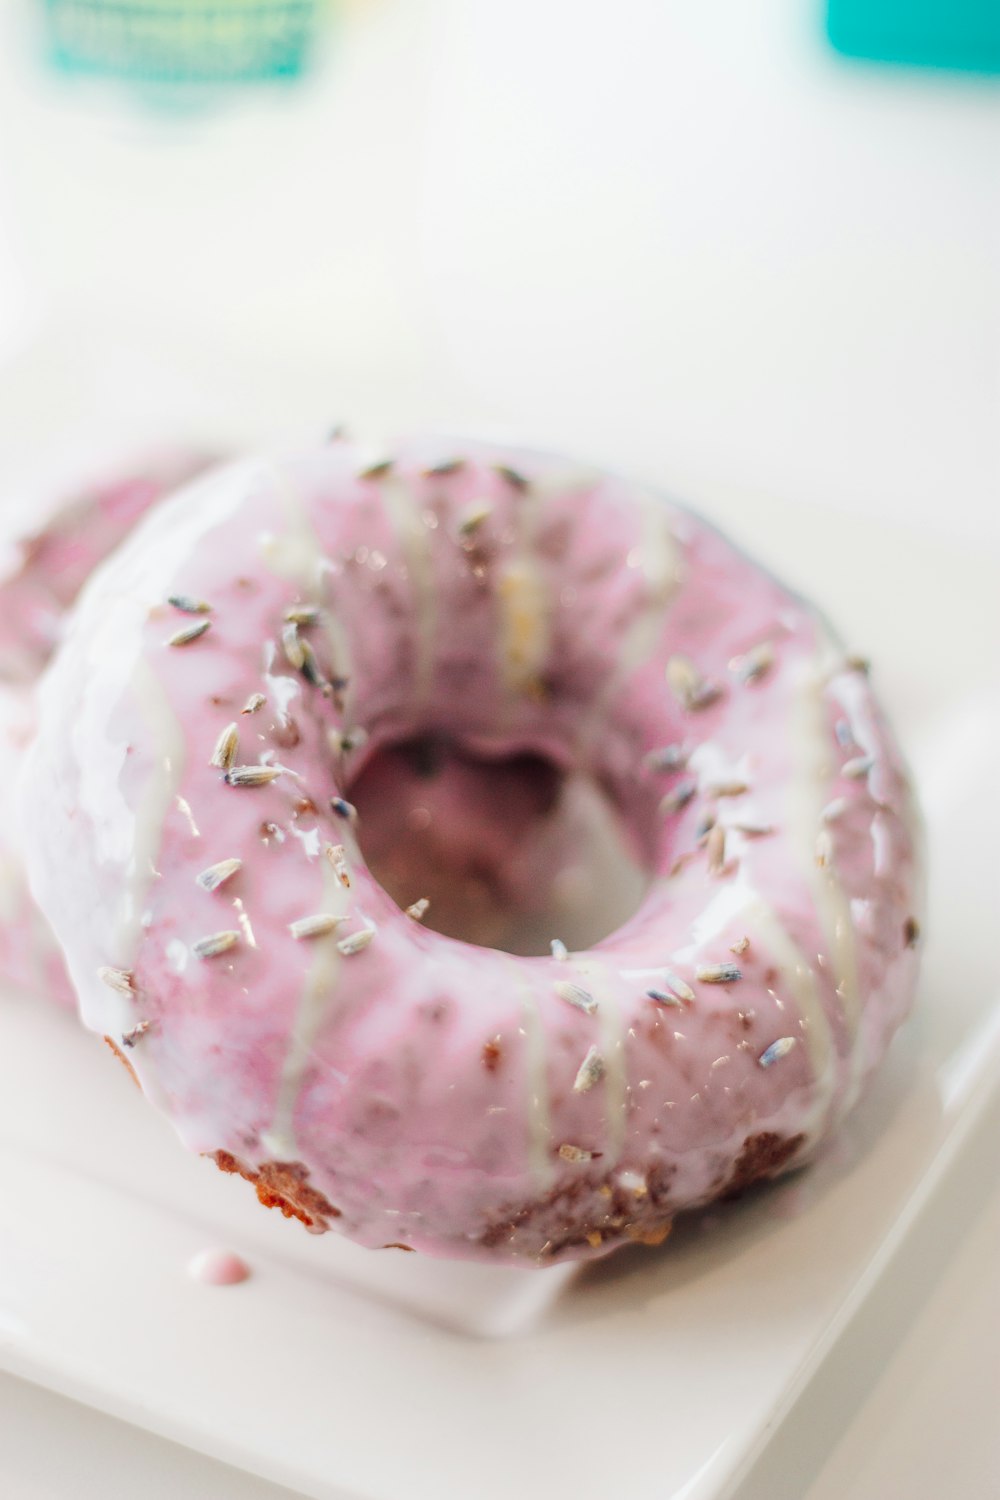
column 218, row 1268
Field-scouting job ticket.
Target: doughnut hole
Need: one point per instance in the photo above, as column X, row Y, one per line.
column 510, row 849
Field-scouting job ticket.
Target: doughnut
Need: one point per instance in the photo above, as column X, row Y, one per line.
column 43, row 568
column 478, row 854
column 41, row 572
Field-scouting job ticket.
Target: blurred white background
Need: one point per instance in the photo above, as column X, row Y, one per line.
column 683, row 238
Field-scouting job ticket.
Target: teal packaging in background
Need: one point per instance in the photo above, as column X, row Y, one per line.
column 182, row 41
column 963, row 34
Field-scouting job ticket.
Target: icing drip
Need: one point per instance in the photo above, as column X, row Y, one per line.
column 612, row 1050
column 525, row 603
column 740, row 902
column 815, row 766
column 658, row 562
column 414, row 541
column 154, row 803
column 524, row 626
column 298, row 555
column 537, row 1080
column 656, row 557
column 764, row 924
column 314, row 1004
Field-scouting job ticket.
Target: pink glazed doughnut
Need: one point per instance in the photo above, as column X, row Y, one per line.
column 413, row 668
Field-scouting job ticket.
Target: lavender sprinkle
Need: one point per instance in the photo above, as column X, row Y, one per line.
column 377, row 470
column 777, row 1049
column 189, row 633
column 218, row 874
column 189, row 606
column 512, row 476
column 691, row 690
column 252, row 775
column 214, row 944
column 704, row 827
column 129, row 1038
column 663, row 997
column 669, row 758
column 754, row 663
column 335, row 854
column 678, row 797
column 317, row 925
column 576, row 995
column 443, row 469
column 293, row 646
column 683, row 678
column 344, row 809
column 355, row 941
column 475, row 517
column 715, row 846
column 705, row 695
column 227, row 747
column 677, row 984
column 342, row 742
column 591, row 1071
column 122, row 980
column 311, row 669
column 718, row 974
column 732, row 788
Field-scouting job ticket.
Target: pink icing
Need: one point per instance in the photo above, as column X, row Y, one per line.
column 421, row 1090
column 218, row 1268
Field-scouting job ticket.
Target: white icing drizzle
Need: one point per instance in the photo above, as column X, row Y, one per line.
column 279, row 1139
column 659, row 564
column 817, row 1035
column 525, row 601
column 565, row 479
column 297, row 554
column 152, row 806
column 612, row 1049
column 538, row 1116
column 128, row 839
column 414, row 541
column 740, row 901
column 657, row 558
column 814, row 765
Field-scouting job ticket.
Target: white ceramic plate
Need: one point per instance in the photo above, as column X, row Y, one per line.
column 660, row 1374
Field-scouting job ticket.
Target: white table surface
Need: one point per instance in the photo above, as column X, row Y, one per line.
column 915, row 1415
column 681, row 238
